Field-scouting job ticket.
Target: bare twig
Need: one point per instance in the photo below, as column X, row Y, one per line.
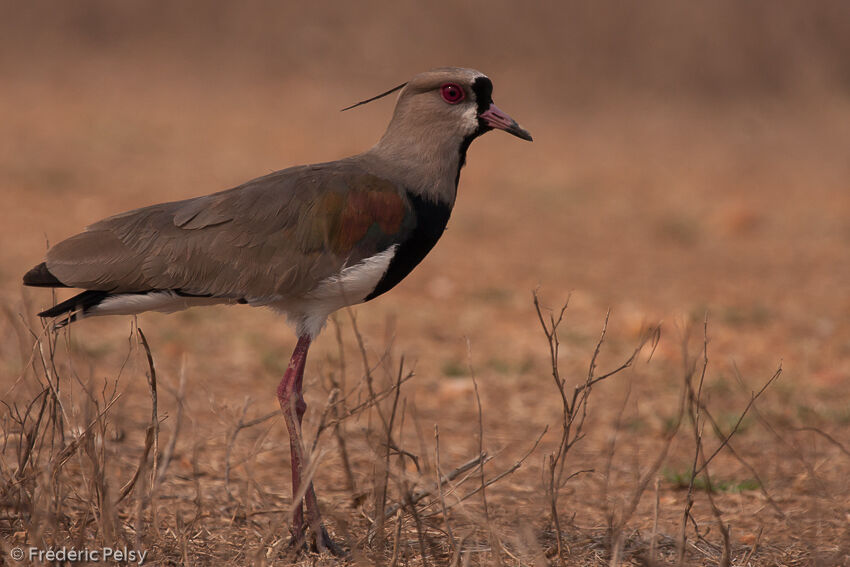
column 383, row 477
column 421, row 493
column 172, row 442
column 726, row 557
column 494, row 540
column 340, row 409
column 694, row 408
column 752, row 471
column 154, row 423
column 439, row 475
column 575, row 405
column 420, row 532
column 125, row 490
column 826, row 436
column 397, row 539
column 69, row 450
column 654, row 538
column 240, row 425
column 753, row 549
column 725, row 438
column 506, row 472
column 154, row 417
column 329, row 405
column 610, row 513
column 363, row 406
column 367, row 369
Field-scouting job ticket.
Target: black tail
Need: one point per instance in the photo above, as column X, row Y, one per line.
column 40, row 276
column 80, row 303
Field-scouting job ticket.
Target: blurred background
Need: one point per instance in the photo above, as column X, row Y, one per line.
column 688, row 158
column 686, row 155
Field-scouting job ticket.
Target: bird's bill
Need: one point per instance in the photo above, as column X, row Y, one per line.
column 495, row 118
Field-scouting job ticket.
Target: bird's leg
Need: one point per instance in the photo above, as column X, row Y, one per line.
column 293, row 406
column 314, row 516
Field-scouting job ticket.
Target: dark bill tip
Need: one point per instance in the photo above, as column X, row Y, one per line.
column 495, row 118
column 519, row 132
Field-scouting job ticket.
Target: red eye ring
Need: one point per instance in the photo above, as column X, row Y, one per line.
column 452, row 93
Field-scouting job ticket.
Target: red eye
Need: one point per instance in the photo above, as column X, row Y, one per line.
column 452, row 93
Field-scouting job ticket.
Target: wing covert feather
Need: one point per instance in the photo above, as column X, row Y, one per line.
column 273, row 236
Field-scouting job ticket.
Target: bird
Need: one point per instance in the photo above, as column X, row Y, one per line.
column 304, row 241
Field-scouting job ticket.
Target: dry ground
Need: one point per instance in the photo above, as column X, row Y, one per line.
column 676, row 176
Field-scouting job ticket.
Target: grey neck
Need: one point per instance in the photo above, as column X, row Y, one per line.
column 429, row 170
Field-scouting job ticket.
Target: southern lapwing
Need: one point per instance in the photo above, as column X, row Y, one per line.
column 304, row 241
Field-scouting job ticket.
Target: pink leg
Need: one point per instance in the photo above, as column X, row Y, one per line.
column 289, row 394
column 289, row 398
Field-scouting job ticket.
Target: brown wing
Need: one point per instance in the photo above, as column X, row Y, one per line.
column 276, row 235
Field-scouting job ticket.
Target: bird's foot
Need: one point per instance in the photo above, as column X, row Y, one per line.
column 320, row 542
column 298, row 537
column 323, row 543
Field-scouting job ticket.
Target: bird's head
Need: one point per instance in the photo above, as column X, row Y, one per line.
column 452, row 103
column 437, row 116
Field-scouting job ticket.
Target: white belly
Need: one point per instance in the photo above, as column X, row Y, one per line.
column 162, row 301
column 350, row 287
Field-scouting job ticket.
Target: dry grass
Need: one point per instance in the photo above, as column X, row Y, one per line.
column 687, row 161
column 77, row 474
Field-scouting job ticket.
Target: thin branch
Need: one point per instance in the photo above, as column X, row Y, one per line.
column 826, row 436
column 419, row 494
column 442, row 496
column 694, row 408
column 753, row 398
column 231, row 441
column 172, row 442
column 494, row 541
column 154, row 418
column 506, row 472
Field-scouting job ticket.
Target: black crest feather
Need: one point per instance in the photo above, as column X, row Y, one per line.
column 392, row 90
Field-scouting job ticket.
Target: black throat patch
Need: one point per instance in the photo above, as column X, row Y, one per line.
column 482, row 87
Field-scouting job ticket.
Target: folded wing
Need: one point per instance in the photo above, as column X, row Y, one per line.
column 275, row 236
